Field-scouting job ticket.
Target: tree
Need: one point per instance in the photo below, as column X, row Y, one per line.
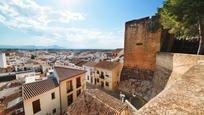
column 184, row 19
column 33, row 56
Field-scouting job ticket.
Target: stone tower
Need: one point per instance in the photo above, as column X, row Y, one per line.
column 142, row 41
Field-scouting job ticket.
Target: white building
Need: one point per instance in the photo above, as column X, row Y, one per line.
column 3, row 60
column 89, row 67
column 22, row 75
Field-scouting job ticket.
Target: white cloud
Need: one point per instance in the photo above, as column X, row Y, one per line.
column 2, row 19
column 52, row 27
column 28, row 12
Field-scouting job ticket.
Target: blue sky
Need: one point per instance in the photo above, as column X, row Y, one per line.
column 70, row 23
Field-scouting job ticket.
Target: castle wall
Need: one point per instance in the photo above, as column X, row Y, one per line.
column 142, row 41
column 146, row 72
column 170, row 67
column 184, row 96
column 141, row 44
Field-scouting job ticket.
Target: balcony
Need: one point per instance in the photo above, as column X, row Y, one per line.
column 101, row 76
column 70, row 89
column 78, row 85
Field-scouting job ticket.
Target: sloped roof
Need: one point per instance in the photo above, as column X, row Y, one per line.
column 107, row 65
column 108, row 100
column 90, row 64
column 36, row 88
column 96, row 102
column 66, row 73
column 81, row 63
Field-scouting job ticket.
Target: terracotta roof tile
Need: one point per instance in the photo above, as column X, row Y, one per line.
column 107, row 99
column 36, row 88
column 96, row 102
column 66, row 73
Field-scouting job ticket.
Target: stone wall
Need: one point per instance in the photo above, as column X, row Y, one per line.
column 182, row 63
column 170, row 67
column 141, row 43
column 185, row 96
column 163, row 70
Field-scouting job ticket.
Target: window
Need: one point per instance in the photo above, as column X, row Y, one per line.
column 97, row 72
column 53, row 95
column 69, row 99
column 97, row 80
column 36, row 106
column 102, row 75
column 138, row 44
column 87, row 77
column 78, row 92
column 78, row 82
column 107, row 84
column 54, row 111
column 102, row 84
column 69, row 86
column 91, row 79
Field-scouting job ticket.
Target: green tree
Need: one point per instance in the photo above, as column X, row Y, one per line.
column 33, row 56
column 184, row 19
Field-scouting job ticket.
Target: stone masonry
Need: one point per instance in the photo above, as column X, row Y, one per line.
column 142, row 41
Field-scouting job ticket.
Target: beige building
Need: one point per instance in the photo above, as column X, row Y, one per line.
column 107, row 74
column 71, row 85
column 41, row 98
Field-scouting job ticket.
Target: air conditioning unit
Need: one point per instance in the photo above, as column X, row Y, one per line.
column 20, row 110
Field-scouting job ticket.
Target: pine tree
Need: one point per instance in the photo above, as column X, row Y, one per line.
column 184, row 18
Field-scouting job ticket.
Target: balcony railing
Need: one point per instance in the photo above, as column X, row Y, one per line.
column 70, row 89
column 101, row 76
column 78, row 84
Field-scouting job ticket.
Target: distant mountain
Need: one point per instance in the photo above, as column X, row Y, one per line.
column 30, row 47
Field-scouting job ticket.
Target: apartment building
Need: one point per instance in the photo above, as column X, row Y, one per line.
column 107, row 74
column 41, row 98
column 71, row 85
column 53, row 95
